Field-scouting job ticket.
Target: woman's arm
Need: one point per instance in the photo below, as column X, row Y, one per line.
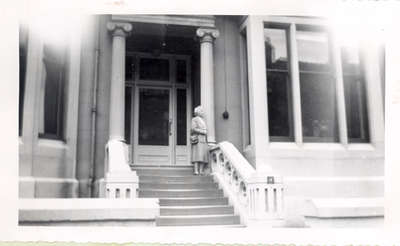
column 196, row 129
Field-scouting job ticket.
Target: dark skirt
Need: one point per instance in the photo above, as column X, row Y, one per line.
column 200, row 150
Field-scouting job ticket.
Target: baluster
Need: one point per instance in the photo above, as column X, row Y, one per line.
column 255, row 201
column 279, row 200
column 112, row 192
column 271, row 199
column 123, row 194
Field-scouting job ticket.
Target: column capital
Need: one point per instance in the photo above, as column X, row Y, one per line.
column 119, row 28
column 207, row 34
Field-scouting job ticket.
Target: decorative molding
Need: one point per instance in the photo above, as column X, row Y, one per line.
column 182, row 20
column 207, row 34
column 119, row 28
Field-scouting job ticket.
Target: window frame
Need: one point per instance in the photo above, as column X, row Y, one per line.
column 336, row 73
column 288, row 72
column 364, row 97
column 62, row 102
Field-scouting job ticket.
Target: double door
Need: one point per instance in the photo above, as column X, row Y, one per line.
column 160, row 121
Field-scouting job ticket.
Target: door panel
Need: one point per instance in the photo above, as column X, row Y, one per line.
column 153, row 136
column 154, row 117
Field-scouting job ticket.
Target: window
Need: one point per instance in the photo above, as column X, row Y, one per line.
column 180, row 71
column 354, row 88
column 299, row 65
column 23, row 47
column 278, row 85
column 154, row 69
column 181, row 116
column 317, row 86
column 52, row 115
column 128, row 111
column 245, row 89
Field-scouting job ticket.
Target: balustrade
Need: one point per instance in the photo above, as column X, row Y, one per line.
column 255, row 195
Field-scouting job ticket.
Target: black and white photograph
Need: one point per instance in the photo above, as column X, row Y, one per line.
column 156, row 124
column 200, row 120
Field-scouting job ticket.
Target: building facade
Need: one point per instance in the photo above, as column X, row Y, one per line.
column 285, row 91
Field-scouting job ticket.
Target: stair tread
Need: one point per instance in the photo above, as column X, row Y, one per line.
column 169, row 182
column 190, row 198
column 197, row 216
column 195, row 207
column 207, row 226
column 173, row 176
column 161, row 166
column 179, row 190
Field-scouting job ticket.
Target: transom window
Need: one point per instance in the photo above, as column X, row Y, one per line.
column 303, row 54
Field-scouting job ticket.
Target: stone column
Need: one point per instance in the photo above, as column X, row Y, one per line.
column 117, row 94
column 120, row 181
column 207, row 37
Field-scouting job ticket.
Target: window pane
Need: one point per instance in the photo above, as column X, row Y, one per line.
column 23, row 46
column 276, row 48
column 153, row 117
column 279, row 110
column 181, row 71
column 356, row 108
column 55, row 67
column 318, row 108
column 128, row 110
column 154, row 69
column 129, row 67
column 278, row 85
column 317, row 86
column 181, row 117
column 313, row 50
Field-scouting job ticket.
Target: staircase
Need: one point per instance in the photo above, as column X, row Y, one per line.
column 185, row 199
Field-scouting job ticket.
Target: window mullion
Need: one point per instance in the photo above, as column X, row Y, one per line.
column 295, row 79
column 340, row 99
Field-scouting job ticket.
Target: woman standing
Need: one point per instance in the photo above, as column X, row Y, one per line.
column 199, row 141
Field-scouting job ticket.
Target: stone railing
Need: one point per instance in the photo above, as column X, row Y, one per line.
column 120, row 181
column 255, row 195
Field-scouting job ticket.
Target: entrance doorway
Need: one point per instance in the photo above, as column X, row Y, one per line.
column 158, row 101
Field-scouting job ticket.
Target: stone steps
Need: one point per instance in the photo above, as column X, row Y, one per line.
column 175, row 179
column 164, row 171
column 194, row 201
column 198, row 210
column 177, row 185
column 180, row 193
column 197, row 220
column 185, row 199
